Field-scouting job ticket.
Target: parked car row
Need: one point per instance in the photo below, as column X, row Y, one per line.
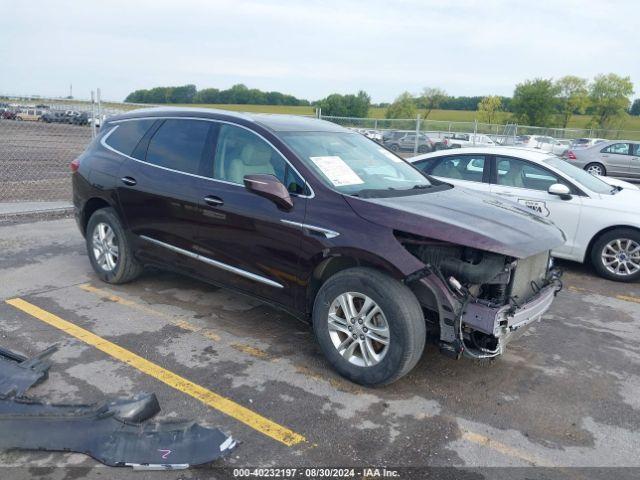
column 66, row 116
column 46, row 115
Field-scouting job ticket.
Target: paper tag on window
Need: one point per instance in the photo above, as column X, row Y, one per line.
column 337, row 171
column 389, row 155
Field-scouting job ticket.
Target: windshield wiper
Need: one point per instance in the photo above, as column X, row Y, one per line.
column 416, row 187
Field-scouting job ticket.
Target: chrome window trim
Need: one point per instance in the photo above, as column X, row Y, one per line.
column 305, row 226
column 105, row 137
column 215, row 263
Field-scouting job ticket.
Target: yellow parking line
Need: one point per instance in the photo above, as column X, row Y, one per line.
column 212, row 399
column 504, row 449
column 143, row 308
column 626, row 298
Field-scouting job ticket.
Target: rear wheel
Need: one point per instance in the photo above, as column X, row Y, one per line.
column 369, row 326
column 616, row 255
column 424, row 149
column 596, row 169
column 394, row 146
column 109, row 251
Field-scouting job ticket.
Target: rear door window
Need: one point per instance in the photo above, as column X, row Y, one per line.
column 460, row 167
column 180, row 145
column 126, row 135
column 617, row 148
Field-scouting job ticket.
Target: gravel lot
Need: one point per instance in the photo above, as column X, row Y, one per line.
column 565, row 395
column 35, row 157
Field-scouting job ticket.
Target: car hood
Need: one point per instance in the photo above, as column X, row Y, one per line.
column 615, row 182
column 464, row 217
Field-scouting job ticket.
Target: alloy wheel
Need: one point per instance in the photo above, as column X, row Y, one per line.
column 358, row 329
column 621, row 256
column 104, row 244
column 595, row 170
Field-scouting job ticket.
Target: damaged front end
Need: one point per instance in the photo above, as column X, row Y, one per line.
column 481, row 299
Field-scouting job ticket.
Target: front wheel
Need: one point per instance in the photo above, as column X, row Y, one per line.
column 369, row 326
column 596, row 169
column 616, row 255
column 109, row 250
column 394, row 147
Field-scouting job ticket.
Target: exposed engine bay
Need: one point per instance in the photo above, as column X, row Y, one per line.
column 491, row 295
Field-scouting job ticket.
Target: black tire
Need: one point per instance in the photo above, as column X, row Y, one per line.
column 394, row 147
column 596, row 167
column 403, row 314
column 598, row 248
column 126, row 267
column 424, row 149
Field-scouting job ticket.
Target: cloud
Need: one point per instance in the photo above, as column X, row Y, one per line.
column 312, row 48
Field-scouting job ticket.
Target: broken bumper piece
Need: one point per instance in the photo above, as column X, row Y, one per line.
column 117, row 433
column 18, row 373
column 504, row 321
column 101, row 433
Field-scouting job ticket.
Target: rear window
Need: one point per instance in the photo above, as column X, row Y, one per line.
column 179, row 145
column 127, row 135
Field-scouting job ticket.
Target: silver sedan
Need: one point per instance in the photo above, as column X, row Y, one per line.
column 615, row 158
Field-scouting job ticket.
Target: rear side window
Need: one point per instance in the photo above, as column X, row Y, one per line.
column 619, row 148
column 460, row 167
column 179, row 145
column 127, row 135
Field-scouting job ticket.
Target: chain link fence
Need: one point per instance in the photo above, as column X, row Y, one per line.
column 38, row 140
column 35, row 157
column 35, row 154
column 444, row 133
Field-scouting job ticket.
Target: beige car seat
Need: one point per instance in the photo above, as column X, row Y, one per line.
column 513, row 178
column 255, row 158
column 446, row 169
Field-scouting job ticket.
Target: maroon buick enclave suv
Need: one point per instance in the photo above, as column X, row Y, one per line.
column 320, row 221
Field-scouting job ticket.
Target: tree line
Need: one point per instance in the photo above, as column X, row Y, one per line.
column 537, row 102
column 237, row 94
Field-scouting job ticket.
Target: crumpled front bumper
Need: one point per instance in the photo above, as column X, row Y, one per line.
column 503, row 322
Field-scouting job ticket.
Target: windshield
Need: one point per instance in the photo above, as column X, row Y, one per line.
column 353, row 164
column 591, row 182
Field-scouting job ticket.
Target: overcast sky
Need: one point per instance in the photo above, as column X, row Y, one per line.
column 312, row 48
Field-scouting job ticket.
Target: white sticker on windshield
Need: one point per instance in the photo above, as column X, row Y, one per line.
column 389, row 155
column 337, row 171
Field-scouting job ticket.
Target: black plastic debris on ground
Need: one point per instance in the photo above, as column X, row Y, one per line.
column 18, row 373
column 116, row 433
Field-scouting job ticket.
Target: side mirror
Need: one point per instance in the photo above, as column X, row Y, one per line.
column 561, row 190
column 270, row 187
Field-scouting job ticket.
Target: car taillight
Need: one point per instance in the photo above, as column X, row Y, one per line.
column 571, row 155
column 74, row 165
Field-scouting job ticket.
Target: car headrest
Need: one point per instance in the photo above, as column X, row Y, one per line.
column 255, row 154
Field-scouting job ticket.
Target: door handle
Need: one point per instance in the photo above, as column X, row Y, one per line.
column 213, row 201
column 129, row 181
